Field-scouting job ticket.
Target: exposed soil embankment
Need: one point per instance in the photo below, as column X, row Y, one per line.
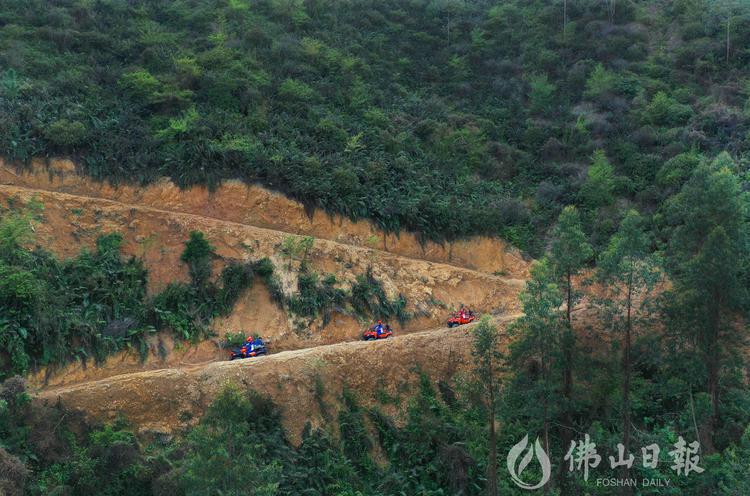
column 163, row 351
column 257, row 206
column 306, row 384
column 71, row 222
column 171, row 388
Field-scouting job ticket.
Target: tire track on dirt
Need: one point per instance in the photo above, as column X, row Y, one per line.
column 11, row 190
column 167, row 401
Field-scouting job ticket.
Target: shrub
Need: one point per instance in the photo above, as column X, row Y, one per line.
column 197, row 255
column 53, row 311
column 139, row 85
column 235, row 278
column 541, row 94
column 296, row 90
column 316, row 298
column 65, row 133
column 598, row 190
column 13, row 474
column 600, row 84
column 666, row 111
column 369, row 298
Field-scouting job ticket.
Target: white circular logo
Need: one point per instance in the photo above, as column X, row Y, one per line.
column 541, row 457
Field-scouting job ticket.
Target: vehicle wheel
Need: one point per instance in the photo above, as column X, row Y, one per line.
column 370, row 339
column 451, row 325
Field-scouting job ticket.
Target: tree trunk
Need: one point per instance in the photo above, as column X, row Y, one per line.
column 492, row 456
column 626, row 490
column 611, row 6
column 568, row 344
column 545, row 378
column 728, row 22
column 713, row 365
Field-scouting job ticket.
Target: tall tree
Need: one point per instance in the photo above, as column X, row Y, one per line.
column 538, row 340
column 570, row 251
column 611, row 7
column 731, row 13
column 629, row 273
column 488, row 362
column 707, row 260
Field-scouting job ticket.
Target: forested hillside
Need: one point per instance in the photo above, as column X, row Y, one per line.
column 609, row 140
column 445, row 117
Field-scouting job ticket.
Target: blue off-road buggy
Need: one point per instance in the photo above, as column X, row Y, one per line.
column 252, row 347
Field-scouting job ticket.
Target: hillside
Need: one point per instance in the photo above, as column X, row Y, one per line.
column 168, row 401
column 246, row 224
column 177, row 175
column 447, row 119
column 254, row 206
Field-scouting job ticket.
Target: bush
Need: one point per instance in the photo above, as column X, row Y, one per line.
column 197, row 255
column 598, row 190
column 666, row 111
column 13, row 474
column 601, row 84
column 296, row 90
column 316, row 298
column 235, row 278
column 140, row 85
column 53, row 311
column 369, row 298
column 66, row 133
column 541, row 95
column 232, row 435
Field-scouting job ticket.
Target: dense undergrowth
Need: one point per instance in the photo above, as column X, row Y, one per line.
column 240, row 448
column 446, row 118
column 85, row 308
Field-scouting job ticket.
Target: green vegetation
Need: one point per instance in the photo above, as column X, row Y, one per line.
column 187, row 309
column 85, row 308
column 609, row 140
column 368, row 297
column 319, row 298
column 445, row 118
column 53, row 311
column 667, row 362
column 672, row 365
column 294, row 247
column 239, row 447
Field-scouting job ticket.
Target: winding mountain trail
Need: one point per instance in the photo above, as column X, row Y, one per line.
column 252, row 205
column 188, row 218
column 165, row 401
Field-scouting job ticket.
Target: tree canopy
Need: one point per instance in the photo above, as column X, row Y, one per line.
column 445, row 118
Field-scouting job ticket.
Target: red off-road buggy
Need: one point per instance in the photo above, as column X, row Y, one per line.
column 460, row 318
column 376, row 332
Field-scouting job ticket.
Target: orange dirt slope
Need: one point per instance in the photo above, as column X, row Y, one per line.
column 166, row 401
column 171, row 388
